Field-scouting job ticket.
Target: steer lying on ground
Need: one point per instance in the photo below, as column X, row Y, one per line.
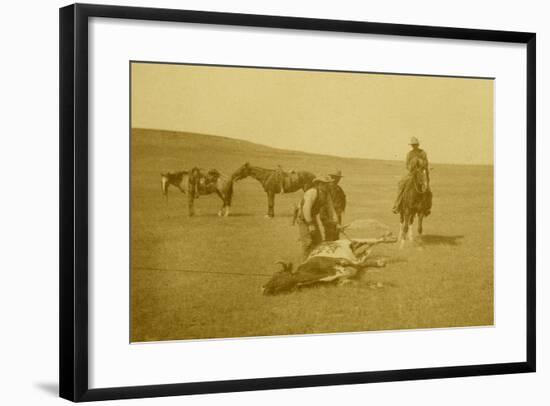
column 331, row 261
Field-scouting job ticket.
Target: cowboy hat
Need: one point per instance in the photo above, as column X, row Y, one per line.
column 414, row 141
column 336, row 174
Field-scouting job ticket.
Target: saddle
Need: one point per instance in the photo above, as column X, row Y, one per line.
column 285, row 179
column 201, row 183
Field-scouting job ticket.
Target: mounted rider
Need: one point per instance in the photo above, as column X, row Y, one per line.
column 317, row 219
column 417, row 159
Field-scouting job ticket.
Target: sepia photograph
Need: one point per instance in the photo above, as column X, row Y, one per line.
column 275, row 201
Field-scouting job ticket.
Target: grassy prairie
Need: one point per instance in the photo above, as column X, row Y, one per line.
column 447, row 281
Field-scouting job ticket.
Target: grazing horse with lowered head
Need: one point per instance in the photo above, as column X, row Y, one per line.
column 416, row 201
column 198, row 184
column 275, row 181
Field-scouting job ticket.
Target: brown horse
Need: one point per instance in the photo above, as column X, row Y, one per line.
column 198, row 184
column 273, row 180
column 416, row 201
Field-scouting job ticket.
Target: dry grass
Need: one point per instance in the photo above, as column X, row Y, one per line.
column 446, row 281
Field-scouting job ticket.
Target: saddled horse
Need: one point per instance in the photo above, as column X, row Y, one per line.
column 197, row 183
column 275, row 181
column 416, row 201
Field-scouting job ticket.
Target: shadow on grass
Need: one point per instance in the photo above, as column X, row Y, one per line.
column 432, row 239
column 390, row 260
column 199, row 215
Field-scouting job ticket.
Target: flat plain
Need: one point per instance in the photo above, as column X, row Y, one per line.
column 200, row 277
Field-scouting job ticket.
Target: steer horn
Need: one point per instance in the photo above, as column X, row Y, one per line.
column 287, row 266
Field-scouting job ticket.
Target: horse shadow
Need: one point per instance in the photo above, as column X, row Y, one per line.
column 448, row 240
column 238, row 214
column 241, row 215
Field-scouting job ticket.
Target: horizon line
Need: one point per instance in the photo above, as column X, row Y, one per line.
column 304, row 152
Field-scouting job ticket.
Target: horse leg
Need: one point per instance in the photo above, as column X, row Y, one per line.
column 191, row 204
column 420, row 218
column 270, row 204
column 403, row 229
column 221, row 212
column 400, row 237
column 224, row 211
column 403, row 237
column 164, row 187
column 226, row 205
column 407, row 231
column 410, row 235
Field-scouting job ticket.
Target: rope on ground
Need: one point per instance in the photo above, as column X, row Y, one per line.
column 141, row 268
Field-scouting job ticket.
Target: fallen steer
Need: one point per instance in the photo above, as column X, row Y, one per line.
column 330, row 262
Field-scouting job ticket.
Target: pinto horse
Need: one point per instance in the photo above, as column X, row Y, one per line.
column 416, row 201
column 198, row 184
column 275, row 181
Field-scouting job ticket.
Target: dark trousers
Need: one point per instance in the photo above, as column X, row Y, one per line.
column 308, row 239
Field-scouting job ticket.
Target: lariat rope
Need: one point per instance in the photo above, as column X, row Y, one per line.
column 141, row 268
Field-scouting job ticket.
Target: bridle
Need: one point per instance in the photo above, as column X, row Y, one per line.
column 417, row 172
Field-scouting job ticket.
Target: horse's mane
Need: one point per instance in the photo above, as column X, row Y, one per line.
column 417, row 163
column 224, row 176
column 414, row 195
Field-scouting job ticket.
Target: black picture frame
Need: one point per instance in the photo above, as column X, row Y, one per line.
column 73, row 277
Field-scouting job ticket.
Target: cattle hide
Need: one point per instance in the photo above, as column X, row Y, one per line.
column 331, row 261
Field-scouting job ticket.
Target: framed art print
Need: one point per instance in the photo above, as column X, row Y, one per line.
column 256, row 202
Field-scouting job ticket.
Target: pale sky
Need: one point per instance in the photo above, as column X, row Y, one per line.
column 345, row 114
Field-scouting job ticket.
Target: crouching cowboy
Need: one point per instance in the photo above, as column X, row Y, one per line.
column 317, row 219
